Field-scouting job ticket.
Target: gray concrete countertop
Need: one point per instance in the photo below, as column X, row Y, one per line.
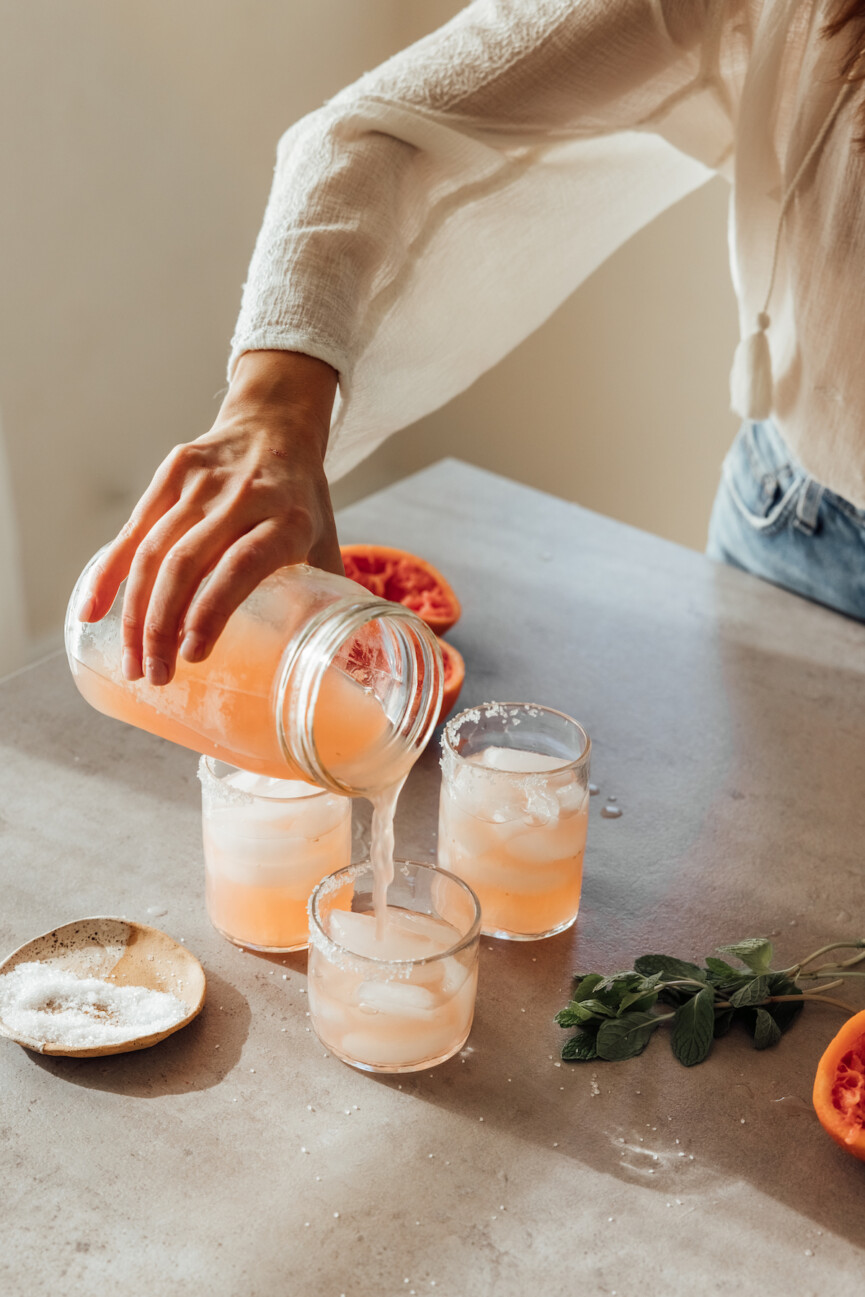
column 726, row 716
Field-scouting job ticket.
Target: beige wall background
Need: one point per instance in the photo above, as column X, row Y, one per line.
column 136, row 148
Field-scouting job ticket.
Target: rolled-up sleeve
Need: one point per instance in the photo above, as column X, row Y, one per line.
column 433, row 214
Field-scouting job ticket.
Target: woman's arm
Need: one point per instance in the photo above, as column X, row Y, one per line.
column 418, row 227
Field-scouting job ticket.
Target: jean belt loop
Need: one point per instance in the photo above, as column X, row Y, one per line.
column 808, row 507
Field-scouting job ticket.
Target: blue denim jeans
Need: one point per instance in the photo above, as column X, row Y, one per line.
column 772, row 519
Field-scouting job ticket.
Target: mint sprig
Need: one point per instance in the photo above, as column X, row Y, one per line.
column 616, row 1015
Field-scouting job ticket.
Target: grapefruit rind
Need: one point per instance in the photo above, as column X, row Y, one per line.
column 839, row 1087
column 404, row 578
column 455, row 674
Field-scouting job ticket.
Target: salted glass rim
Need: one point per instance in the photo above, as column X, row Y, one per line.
column 320, row 937
column 315, row 791
column 450, row 731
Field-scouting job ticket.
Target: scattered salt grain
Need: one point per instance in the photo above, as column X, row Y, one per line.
column 54, row 1006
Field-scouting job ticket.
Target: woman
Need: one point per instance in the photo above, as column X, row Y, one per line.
column 438, row 210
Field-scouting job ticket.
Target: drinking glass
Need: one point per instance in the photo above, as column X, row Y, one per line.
column 403, row 1000
column 267, row 842
column 513, row 814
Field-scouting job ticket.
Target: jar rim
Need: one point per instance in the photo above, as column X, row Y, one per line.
column 321, row 638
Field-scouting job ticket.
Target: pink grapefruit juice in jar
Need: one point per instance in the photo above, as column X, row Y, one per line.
column 397, row 997
column 312, row 678
column 513, row 815
column 267, row 844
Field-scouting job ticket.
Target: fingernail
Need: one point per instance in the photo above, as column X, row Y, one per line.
column 192, row 647
column 130, row 665
column 87, row 609
column 157, row 671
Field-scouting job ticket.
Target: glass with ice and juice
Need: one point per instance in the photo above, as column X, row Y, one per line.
column 267, row 843
column 393, row 991
column 513, row 814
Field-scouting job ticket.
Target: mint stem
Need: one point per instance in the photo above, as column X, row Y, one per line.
column 835, row 945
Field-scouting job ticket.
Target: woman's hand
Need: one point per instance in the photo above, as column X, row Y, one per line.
column 248, row 497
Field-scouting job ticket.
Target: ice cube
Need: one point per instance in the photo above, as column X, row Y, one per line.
column 263, row 786
column 540, row 804
column 406, row 935
column 459, row 825
column 561, row 840
column 516, row 760
column 432, row 933
column 572, row 797
column 484, row 793
column 455, row 974
column 400, row 998
column 356, row 932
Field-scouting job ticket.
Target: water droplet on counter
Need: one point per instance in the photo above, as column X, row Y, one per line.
column 791, row 1103
column 593, row 790
column 611, row 812
column 155, row 911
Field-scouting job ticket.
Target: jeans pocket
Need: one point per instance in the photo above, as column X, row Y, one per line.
column 762, row 478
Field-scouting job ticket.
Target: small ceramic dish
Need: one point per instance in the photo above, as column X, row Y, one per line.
column 121, row 953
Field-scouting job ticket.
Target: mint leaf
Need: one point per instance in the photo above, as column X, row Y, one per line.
column 596, row 1009
column 639, row 999
column 693, row 1028
column 766, row 1030
column 586, row 984
column 753, row 992
column 580, row 1048
column 720, row 973
column 625, row 1037
column 756, row 952
column 569, row 1017
column 670, row 969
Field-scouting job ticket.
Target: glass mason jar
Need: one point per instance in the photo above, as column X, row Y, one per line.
column 312, row 678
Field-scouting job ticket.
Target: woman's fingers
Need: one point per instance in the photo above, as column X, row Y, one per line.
column 166, row 551
column 107, row 575
column 241, row 568
column 180, row 575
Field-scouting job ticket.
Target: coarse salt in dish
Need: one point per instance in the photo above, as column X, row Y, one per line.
column 51, row 1005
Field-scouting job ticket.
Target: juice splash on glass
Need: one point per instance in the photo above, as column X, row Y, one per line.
column 402, row 1000
column 267, row 843
column 513, row 819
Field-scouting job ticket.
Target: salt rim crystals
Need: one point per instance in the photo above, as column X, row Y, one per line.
column 51, row 1005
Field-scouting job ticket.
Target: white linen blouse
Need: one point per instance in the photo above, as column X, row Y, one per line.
column 434, row 213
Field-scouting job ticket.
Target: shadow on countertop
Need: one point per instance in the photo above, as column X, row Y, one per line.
column 195, row 1058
